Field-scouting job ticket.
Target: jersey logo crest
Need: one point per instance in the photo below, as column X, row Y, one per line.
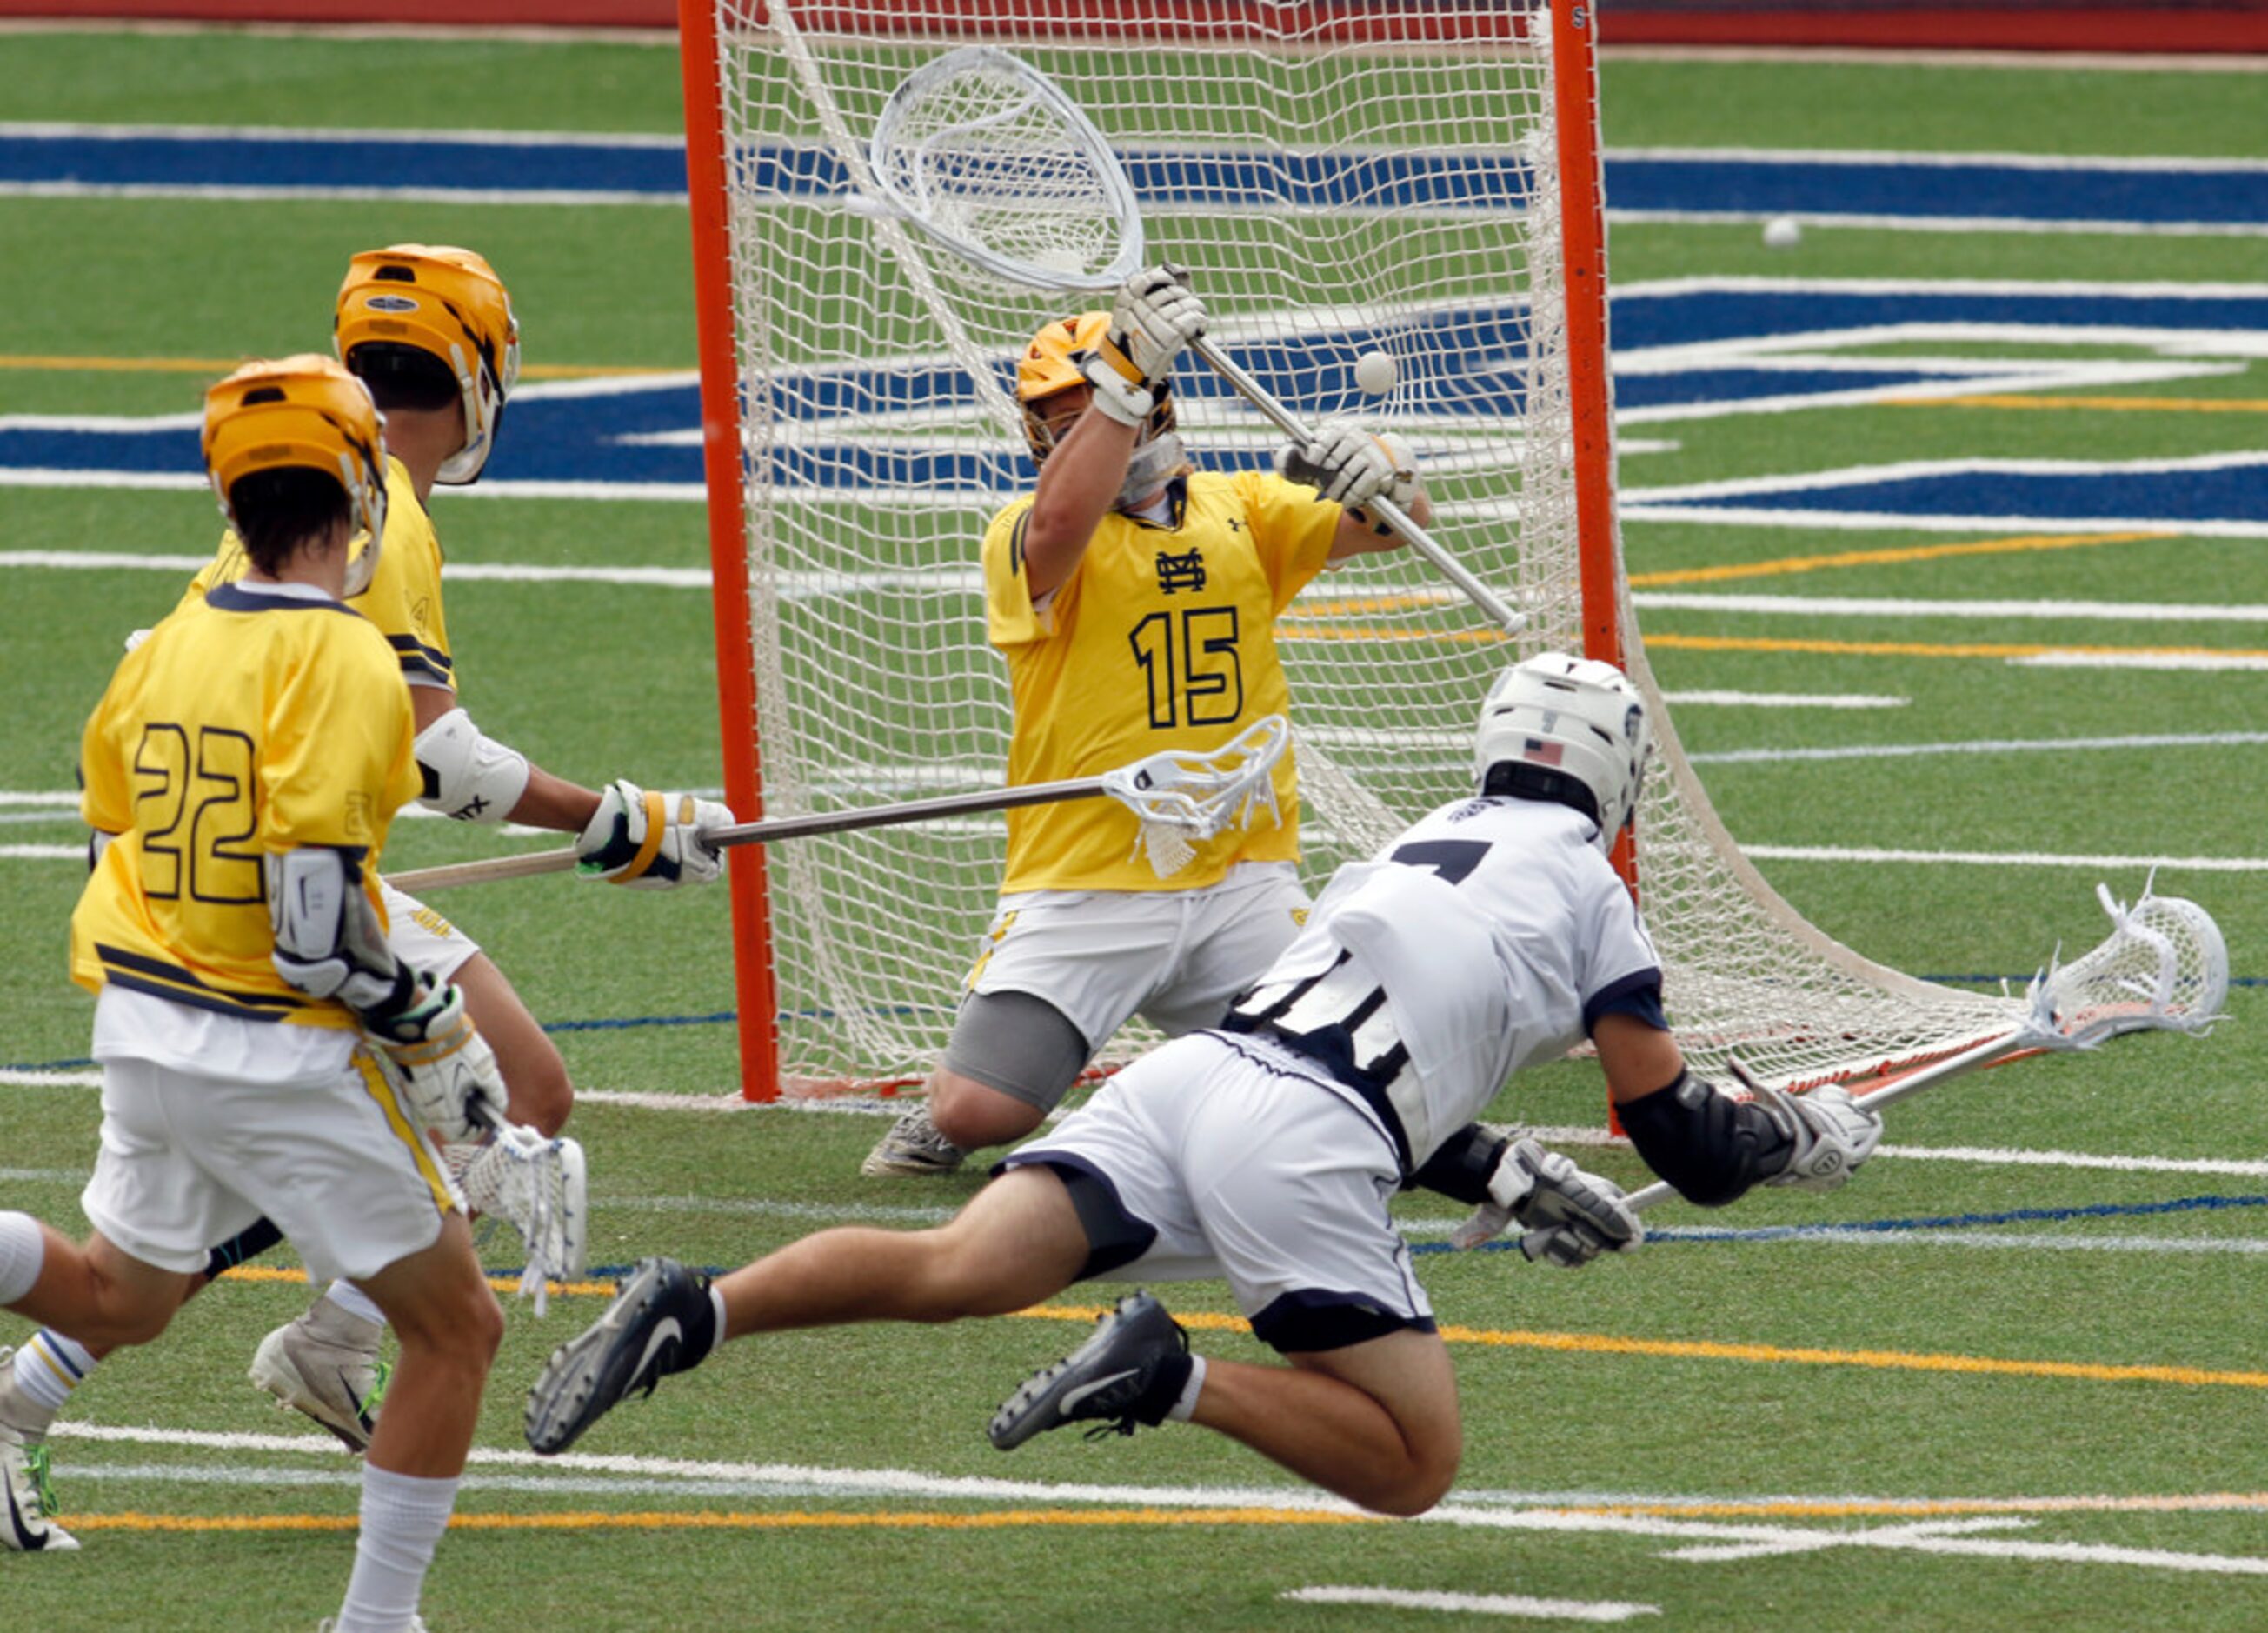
column 1181, row 572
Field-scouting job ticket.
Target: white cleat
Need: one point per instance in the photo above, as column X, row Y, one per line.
column 24, row 1485
column 326, row 1365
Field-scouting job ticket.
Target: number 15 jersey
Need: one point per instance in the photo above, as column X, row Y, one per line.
column 255, row 717
column 1163, row 637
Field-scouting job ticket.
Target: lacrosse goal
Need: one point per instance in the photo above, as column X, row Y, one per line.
column 1415, row 176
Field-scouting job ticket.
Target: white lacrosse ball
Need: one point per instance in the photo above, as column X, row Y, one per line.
column 1375, row 372
column 1783, row 232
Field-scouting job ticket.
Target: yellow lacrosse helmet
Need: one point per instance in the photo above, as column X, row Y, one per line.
column 304, row 412
column 450, row 304
column 1051, row 364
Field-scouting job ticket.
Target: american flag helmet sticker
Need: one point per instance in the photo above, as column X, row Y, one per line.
column 1536, row 751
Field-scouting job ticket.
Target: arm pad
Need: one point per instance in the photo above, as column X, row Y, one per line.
column 1709, row 1146
column 467, row 776
column 1461, row 1165
column 329, row 942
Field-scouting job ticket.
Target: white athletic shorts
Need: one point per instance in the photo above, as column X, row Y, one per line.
column 422, row 938
column 313, row 1137
column 1241, row 1160
column 1174, row 957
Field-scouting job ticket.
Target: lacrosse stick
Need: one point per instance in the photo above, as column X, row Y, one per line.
column 1181, row 798
column 2164, row 969
column 988, row 156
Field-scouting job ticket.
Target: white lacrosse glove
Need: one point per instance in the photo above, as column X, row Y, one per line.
column 1831, row 1133
column 541, row 1187
column 1155, row 315
column 652, row 841
column 1571, row 1216
column 1348, row 465
column 447, row 1072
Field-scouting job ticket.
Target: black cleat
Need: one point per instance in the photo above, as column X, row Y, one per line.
column 1125, row 1374
column 625, row 1351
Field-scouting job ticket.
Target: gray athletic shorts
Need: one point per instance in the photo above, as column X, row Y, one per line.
column 1231, row 1157
column 1096, row 959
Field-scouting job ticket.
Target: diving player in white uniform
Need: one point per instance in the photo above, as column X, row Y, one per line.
column 1493, row 933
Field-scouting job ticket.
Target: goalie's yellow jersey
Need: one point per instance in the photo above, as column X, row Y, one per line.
column 1163, row 637
column 254, row 719
column 404, row 598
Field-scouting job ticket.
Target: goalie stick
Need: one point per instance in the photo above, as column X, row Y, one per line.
column 2164, row 968
column 1180, row 797
column 992, row 159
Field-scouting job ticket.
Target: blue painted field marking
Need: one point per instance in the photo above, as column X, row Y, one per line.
column 541, row 168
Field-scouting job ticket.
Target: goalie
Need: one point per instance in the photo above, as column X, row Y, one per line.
column 1135, row 601
column 1493, row 933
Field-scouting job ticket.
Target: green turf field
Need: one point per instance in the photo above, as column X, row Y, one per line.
column 2029, row 1395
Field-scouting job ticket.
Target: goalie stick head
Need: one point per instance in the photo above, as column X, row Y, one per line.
column 1050, row 365
column 300, row 413
column 448, row 304
column 1570, row 730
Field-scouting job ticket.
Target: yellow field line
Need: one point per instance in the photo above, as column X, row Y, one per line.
column 1899, row 556
column 1599, row 1343
column 2119, row 405
column 1895, row 1360
column 222, row 366
column 664, row 1519
column 1934, row 649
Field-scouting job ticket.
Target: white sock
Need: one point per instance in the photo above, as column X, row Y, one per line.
column 23, row 1250
column 354, row 1301
column 402, row 1518
column 1190, row 1391
column 717, row 1303
column 50, row 1366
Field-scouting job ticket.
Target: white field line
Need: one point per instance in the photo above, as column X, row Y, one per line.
column 2108, row 225
column 1601, row 1610
column 1982, row 745
column 2002, row 859
column 1895, row 521
column 1782, row 700
column 1546, row 1514
column 1889, row 606
column 2201, row 661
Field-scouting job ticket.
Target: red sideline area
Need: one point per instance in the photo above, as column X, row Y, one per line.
column 2170, row 26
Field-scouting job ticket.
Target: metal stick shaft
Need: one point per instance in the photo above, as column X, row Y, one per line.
column 533, row 862
column 1393, row 515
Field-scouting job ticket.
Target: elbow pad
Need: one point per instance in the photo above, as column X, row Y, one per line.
column 466, row 776
column 329, row 942
column 1710, row 1147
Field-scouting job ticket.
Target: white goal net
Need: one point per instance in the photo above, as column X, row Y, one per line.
column 1339, row 179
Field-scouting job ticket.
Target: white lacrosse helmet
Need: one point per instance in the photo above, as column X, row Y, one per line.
column 1572, row 730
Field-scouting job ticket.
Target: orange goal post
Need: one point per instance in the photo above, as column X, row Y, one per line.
column 1419, row 177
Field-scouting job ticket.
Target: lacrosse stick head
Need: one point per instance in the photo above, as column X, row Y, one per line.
column 2163, row 968
column 988, row 156
column 1183, row 797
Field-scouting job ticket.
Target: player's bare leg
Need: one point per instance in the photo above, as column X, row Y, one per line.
column 1376, row 1422
column 96, row 1288
column 1018, row 1241
column 449, row 1325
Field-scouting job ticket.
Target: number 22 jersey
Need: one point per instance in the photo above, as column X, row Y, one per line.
column 254, row 719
